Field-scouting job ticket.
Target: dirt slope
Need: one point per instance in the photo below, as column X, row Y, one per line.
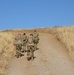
column 51, row 59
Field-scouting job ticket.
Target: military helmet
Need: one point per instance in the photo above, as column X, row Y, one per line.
column 31, row 34
column 34, row 30
column 24, row 33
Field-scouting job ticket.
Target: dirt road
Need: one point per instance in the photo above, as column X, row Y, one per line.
column 51, row 59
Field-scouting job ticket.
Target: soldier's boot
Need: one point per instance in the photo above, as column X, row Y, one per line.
column 28, row 58
column 21, row 55
column 32, row 55
column 17, row 55
column 28, row 55
column 35, row 46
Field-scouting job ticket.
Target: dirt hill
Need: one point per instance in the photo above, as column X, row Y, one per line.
column 54, row 57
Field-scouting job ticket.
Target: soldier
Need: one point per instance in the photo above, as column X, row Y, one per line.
column 35, row 34
column 36, row 38
column 24, row 42
column 30, row 48
column 18, row 44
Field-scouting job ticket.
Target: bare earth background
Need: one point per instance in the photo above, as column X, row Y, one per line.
column 54, row 57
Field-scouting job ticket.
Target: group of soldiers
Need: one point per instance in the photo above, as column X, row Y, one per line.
column 24, row 43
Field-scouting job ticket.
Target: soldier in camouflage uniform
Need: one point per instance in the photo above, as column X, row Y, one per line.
column 18, row 44
column 35, row 38
column 30, row 48
column 24, row 42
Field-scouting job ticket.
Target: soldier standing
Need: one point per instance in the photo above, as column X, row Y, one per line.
column 24, row 42
column 30, row 48
column 36, row 38
column 18, row 44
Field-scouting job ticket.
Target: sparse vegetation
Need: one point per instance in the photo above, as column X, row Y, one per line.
column 6, row 50
column 64, row 34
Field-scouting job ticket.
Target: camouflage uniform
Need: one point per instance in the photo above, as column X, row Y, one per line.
column 18, row 44
column 30, row 48
column 36, row 38
column 24, row 41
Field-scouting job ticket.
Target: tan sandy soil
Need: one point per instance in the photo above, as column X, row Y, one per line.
column 51, row 59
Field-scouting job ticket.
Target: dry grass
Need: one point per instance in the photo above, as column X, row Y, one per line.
column 7, row 50
column 66, row 36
